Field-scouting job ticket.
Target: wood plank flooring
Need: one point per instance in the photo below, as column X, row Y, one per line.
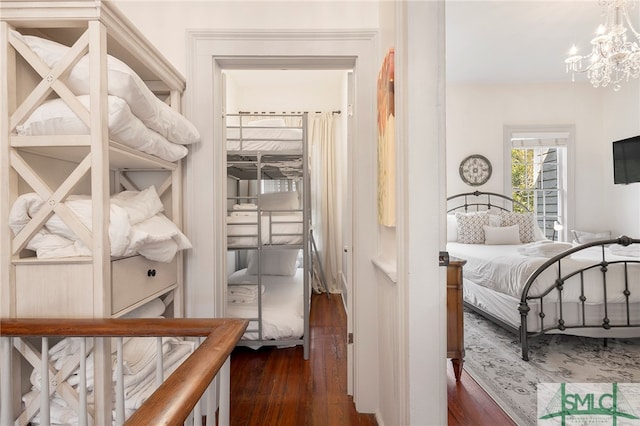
column 276, row 386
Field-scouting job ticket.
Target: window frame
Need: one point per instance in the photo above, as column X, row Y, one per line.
column 566, row 208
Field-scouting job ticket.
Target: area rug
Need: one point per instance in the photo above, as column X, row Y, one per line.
column 493, row 359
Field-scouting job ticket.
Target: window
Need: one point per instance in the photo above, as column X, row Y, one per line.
column 538, row 177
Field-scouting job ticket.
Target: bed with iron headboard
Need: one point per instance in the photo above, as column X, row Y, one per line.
column 516, row 277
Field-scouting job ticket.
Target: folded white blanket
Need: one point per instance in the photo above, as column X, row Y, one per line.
column 544, row 248
column 632, row 250
column 243, row 293
column 245, row 206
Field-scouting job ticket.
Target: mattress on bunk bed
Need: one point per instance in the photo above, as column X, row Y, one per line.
column 282, row 304
column 275, row 228
column 506, row 268
column 266, row 134
column 136, row 226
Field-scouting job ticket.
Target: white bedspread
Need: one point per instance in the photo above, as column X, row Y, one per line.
column 136, row 225
column 282, row 305
column 505, row 269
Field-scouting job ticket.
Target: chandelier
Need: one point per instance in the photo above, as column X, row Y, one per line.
column 613, row 58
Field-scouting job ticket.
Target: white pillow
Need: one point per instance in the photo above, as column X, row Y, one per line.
column 139, row 205
column 502, row 234
column 124, row 83
column 288, row 200
column 55, row 117
column 583, row 237
column 470, row 225
column 452, row 228
column 273, row 262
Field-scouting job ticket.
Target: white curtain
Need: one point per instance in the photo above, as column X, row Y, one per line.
column 322, row 141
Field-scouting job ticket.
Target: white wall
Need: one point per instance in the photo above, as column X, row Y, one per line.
column 477, row 114
column 164, row 22
column 622, row 120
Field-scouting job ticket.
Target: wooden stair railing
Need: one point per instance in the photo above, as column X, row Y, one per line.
column 172, row 402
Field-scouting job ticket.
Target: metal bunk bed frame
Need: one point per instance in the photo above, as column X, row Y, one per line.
column 250, row 165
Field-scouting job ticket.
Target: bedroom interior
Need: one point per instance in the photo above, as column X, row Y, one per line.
column 503, row 101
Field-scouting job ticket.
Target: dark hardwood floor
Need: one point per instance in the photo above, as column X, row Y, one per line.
column 272, row 386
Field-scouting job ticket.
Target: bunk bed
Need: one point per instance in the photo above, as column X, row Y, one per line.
column 91, row 145
column 530, row 285
column 268, row 231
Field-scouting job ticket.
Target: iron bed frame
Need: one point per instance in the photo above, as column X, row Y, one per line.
column 480, row 201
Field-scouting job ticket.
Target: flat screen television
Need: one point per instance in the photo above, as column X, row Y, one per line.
column 626, row 160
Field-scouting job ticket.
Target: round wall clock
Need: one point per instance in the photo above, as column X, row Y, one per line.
column 475, row 170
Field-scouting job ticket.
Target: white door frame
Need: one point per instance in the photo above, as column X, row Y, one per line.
column 205, row 171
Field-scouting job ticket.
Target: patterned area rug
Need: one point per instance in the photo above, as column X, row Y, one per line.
column 493, row 359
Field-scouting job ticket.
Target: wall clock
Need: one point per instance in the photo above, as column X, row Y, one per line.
column 475, row 170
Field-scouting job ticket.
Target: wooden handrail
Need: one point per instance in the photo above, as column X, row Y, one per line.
column 174, row 399
column 172, row 402
column 111, row 327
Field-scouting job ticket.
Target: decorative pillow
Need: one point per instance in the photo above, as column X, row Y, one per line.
column 502, row 234
column 124, row 83
column 524, row 220
column 287, row 200
column 470, row 225
column 583, row 237
column 273, row 262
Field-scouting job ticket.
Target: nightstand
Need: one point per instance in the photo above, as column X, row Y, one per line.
column 455, row 322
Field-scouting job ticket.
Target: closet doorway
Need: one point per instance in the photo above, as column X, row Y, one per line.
column 211, row 53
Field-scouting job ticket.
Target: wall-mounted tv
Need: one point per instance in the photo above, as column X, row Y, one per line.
column 626, row 160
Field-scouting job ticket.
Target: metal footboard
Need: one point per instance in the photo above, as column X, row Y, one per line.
column 573, row 278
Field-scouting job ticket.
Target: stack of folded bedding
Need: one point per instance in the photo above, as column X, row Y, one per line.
column 136, row 225
column 137, row 117
column 243, row 293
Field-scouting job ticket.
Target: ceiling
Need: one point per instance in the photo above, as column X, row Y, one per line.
column 515, row 41
column 520, row 41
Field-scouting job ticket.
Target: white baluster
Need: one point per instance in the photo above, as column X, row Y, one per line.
column 44, row 384
column 119, row 382
column 82, row 387
column 6, row 400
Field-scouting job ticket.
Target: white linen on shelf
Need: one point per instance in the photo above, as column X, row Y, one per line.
column 122, row 82
column 136, row 225
column 55, row 117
